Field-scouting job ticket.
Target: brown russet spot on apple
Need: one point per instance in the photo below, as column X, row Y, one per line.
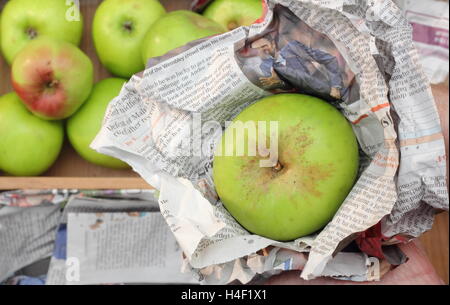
column 310, row 175
column 291, row 171
column 232, row 25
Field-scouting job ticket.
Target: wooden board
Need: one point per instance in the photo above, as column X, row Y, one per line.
column 435, row 243
column 71, row 171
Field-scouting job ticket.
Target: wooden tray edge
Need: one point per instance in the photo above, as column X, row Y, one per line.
column 85, row 183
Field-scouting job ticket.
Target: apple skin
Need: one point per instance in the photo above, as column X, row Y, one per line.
column 83, row 126
column 52, row 77
column 112, row 37
column 176, row 29
column 232, row 14
column 25, row 20
column 318, row 152
column 28, row 144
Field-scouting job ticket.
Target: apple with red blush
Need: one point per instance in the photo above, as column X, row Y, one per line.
column 52, row 77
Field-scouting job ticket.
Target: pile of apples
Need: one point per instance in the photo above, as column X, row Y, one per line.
column 53, row 79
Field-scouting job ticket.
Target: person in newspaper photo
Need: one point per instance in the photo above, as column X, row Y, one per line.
column 290, row 56
column 311, row 70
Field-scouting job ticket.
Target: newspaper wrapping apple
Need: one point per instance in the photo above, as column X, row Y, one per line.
column 359, row 58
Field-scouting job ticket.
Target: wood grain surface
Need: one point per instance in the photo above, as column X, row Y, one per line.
column 435, row 243
column 71, row 171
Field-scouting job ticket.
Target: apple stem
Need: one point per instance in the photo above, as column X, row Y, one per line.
column 52, row 84
column 278, row 167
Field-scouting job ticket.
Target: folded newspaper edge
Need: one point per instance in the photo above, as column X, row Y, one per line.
column 402, row 181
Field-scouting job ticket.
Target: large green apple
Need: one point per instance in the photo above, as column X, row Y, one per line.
column 84, row 125
column 176, row 29
column 28, row 144
column 316, row 167
column 234, row 13
column 25, row 20
column 52, row 77
column 118, row 30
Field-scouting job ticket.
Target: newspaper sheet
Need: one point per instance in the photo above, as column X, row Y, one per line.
column 166, row 121
column 104, row 241
column 26, row 236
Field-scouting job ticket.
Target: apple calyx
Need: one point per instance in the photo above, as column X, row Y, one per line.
column 31, row 33
column 278, row 167
column 128, row 26
column 52, row 84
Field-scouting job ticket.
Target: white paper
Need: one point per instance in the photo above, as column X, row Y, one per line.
column 124, row 248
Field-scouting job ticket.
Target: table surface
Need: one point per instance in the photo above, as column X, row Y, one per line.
column 435, row 243
column 71, row 165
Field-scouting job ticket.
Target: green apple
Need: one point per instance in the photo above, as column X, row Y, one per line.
column 84, row 125
column 25, row 20
column 52, row 77
column 118, row 30
column 28, row 144
column 234, row 13
column 309, row 178
column 174, row 30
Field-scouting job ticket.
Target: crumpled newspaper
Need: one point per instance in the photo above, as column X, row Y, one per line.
column 385, row 95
